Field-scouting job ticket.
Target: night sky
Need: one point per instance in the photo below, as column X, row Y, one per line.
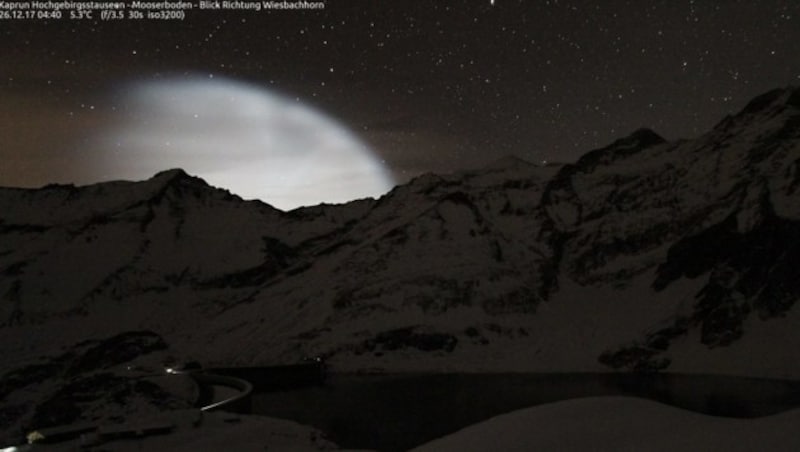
column 425, row 85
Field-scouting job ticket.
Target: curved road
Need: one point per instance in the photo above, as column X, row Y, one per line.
column 218, row 392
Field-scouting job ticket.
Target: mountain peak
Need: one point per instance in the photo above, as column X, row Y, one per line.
column 178, row 182
column 640, row 138
column 768, row 104
column 788, row 96
column 171, row 174
column 177, row 176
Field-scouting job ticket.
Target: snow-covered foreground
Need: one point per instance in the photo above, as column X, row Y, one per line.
column 193, row 430
column 622, row 424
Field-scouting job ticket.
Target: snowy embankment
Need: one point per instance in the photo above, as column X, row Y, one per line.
column 621, row 424
column 193, row 430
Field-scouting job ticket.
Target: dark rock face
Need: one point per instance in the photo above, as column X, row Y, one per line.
column 762, row 101
column 74, row 385
column 636, row 142
column 117, row 350
column 71, row 401
column 644, row 357
column 757, row 271
column 411, row 338
column 750, row 272
column 696, row 255
column 85, row 357
column 30, row 375
column 278, row 256
column 635, row 358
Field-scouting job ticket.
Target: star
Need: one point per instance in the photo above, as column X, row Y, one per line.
column 450, row 105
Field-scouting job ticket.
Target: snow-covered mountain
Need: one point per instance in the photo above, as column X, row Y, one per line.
column 646, row 254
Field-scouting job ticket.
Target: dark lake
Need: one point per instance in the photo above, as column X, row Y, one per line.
column 398, row 412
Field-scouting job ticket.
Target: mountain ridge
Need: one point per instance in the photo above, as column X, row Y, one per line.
column 645, row 254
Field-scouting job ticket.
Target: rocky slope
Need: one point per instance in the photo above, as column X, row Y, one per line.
column 646, row 255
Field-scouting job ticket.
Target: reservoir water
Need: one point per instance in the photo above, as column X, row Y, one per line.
column 398, row 412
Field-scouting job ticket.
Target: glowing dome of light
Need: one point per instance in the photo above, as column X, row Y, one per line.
column 238, row 136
